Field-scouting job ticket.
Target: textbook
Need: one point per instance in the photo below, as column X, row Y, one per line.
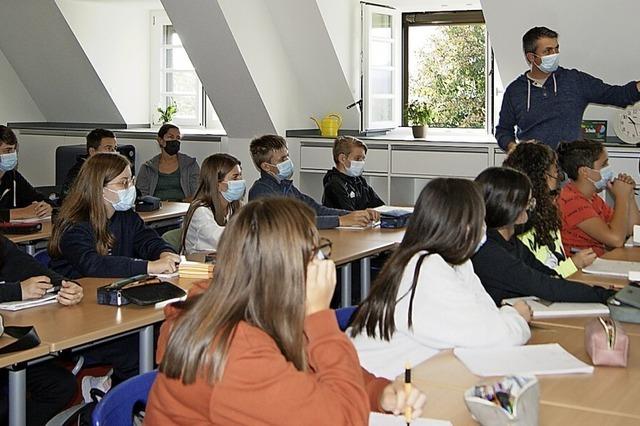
column 521, row 360
column 19, row 305
column 543, row 309
column 612, row 268
column 381, row 419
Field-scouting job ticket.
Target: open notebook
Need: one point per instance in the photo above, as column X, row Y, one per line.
column 521, row 360
column 379, row 419
column 612, row 268
column 18, row 305
column 543, row 309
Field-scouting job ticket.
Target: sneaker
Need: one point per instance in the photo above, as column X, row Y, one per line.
column 102, row 383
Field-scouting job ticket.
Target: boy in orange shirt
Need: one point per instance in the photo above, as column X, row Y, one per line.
column 587, row 220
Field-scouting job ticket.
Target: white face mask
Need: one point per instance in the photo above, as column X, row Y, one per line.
column 356, row 168
column 126, row 199
column 549, row 63
column 8, row 161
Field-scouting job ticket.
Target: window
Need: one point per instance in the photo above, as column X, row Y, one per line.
column 174, row 79
column 448, row 63
column 380, row 67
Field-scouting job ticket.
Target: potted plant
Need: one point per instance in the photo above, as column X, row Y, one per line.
column 166, row 115
column 419, row 115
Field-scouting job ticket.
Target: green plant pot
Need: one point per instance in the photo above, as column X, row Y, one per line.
column 419, row 131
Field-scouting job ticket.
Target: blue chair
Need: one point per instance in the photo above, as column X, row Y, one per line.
column 117, row 406
column 344, row 316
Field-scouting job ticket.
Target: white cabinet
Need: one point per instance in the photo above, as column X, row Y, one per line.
column 437, row 161
column 318, row 157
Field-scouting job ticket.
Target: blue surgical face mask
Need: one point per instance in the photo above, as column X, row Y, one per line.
column 482, row 240
column 8, row 161
column 126, row 199
column 549, row 63
column 285, row 169
column 356, row 168
column 606, row 176
column 235, row 190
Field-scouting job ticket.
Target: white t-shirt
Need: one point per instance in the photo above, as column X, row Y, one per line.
column 203, row 233
column 450, row 309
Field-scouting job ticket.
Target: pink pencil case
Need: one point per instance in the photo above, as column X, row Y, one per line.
column 606, row 342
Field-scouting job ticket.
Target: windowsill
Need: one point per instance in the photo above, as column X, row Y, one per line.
column 404, row 134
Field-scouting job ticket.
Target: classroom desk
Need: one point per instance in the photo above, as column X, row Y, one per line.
column 166, row 215
column 631, row 254
column 61, row 327
column 359, row 244
column 608, row 391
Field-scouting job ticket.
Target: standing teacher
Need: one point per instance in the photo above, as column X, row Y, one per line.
column 547, row 102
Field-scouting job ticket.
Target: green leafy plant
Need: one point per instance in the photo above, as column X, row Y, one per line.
column 419, row 113
column 167, row 114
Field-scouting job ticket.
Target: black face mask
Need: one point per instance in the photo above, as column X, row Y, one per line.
column 172, row 147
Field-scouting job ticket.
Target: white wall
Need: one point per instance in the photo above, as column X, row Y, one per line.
column 116, row 38
column 596, row 37
column 16, row 103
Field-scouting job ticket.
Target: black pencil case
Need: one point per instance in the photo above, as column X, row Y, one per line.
column 143, row 295
column 20, row 228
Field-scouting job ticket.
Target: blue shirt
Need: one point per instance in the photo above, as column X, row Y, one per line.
column 269, row 186
column 553, row 113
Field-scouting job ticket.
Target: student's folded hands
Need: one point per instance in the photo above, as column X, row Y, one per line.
column 395, row 400
column 70, row 293
column 374, row 215
column 35, row 287
column 42, row 209
column 356, row 218
column 166, row 264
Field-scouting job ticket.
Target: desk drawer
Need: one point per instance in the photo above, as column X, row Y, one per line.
column 438, row 162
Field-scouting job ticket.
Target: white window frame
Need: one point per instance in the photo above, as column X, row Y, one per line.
column 157, row 94
column 367, row 11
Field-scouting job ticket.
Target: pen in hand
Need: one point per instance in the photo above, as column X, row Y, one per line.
column 407, row 391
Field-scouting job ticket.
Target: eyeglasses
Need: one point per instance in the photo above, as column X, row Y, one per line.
column 124, row 182
column 324, row 248
column 531, row 205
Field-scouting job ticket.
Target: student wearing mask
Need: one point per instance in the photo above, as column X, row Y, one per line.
column 427, row 297
column 218, row 197
column 587, row 220
column 541, row 233
column 547, row 102
column 270, row 155
column 18, row 199
column 98, row 140
column 97, row 233
column 170, row 175
column 260, row 345
column 344, row 186
column 506, row 267
column 50, row 387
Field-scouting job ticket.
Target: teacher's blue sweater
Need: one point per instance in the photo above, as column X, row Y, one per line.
column 553, row 113
column 135, row 244
column 269, row 186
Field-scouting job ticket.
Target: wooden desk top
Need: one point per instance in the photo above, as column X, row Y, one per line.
column 608, row 390
column 630, row 254
column 168, row 210
column 66, row 327
column 350, row 245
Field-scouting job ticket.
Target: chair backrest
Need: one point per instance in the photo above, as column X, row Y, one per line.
column 117, row 405
column 173, row 238
column 67, row 155
column 344, row 315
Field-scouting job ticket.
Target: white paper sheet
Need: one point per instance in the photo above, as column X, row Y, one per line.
column 380, row 419
column 561, row 310
column 612, row 268
column 19, row 305
column 521, row 360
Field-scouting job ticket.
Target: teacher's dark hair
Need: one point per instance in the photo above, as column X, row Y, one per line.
column 582, row 153
column 506, row 194
column 531, row 37
column 447, row 220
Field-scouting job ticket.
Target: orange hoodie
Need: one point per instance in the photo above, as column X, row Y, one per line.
column 259, row 386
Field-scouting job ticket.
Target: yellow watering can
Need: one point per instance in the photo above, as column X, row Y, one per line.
column 329, row 125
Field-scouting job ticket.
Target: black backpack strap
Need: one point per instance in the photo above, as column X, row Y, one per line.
column 27, row 339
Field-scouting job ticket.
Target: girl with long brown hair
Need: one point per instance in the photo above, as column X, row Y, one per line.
column 427, row 296
column 97, row 233
column 541, row 233
column 218, row 197
column 260, row 345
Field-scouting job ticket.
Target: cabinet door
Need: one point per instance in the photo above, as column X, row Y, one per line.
column 435, row 161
